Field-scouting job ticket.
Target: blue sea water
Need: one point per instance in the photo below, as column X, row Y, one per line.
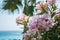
column 11, row 35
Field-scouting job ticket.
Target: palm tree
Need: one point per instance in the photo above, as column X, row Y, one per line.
column 12, row 5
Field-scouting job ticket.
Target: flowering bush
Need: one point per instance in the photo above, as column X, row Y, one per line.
column 42, row 26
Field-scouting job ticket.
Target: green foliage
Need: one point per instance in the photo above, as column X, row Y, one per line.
column 54, row 7
column 11, row 4
column 28, row 10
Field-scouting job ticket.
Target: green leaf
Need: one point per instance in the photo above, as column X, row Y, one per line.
column 54, row 7
column 28, row 10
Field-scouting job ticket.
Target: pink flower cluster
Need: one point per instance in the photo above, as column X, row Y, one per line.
column 41, row 6
column 40, row 21
column 44, row 6
column 22, row 18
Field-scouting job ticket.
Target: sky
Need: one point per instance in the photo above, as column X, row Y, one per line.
column 8, row 21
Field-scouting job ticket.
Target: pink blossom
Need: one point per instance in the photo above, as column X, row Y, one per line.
column 51, row 1
column 34, row 31
column 38, row 7
column 58, row 15
column 32, row 25
column 33, row 22
column 41, row 6
column 21, row 18
column 42, row 21
column 42, row 24
column 45, row 21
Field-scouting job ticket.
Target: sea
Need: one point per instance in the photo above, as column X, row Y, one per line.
column 11, row 35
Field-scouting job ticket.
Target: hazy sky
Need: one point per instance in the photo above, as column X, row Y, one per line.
column 8, row 21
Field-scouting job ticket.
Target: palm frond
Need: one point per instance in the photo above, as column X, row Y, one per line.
column 11, row 4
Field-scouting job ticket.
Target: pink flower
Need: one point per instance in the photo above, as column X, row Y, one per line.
column 32, row 25
column 41, row 24
column 58, row 15
column 38, row 7
column 51, row 1
column 34, row 31
column 29, row 33
column 22, row 18
column 44, row 6
column 45, row 21
column 41, row 6
column 33, row 22
column 42, row 21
